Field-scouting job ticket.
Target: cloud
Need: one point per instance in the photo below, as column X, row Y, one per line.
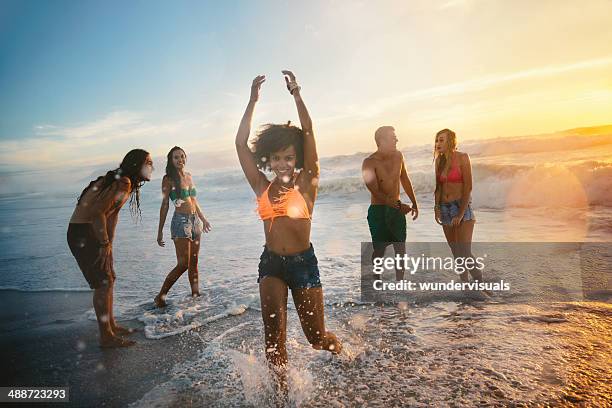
column 380, row 105
column 114, row 126
column 204, row 129
column 101, row 140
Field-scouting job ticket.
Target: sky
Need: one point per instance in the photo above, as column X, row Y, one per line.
column 83, row 82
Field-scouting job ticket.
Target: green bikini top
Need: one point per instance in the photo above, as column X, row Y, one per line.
column 185, row 193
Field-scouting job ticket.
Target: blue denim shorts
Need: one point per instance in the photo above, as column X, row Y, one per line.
column 299, row 271
column 451, row 209
column 186, row 226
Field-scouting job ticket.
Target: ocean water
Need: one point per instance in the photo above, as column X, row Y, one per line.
column 422, row 353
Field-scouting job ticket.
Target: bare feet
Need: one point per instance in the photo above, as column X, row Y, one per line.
column 115, row 342
column 336, row 347
column 160, row 301
column 476, row 274
column 330, row 343
column 195, row 295
column 122, row 331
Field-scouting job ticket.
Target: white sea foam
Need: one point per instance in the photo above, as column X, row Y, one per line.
column 417, row 356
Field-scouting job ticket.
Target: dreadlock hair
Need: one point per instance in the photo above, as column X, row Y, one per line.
column 130, row 167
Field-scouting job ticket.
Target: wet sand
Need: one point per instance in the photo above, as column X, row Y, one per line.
column 48, row 341
column 442, row 354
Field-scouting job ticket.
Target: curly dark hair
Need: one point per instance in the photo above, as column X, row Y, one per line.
column 273, row 138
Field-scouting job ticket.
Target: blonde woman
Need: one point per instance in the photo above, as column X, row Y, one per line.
column 453, row 208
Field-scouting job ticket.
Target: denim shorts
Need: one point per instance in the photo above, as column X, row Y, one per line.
column 186, row 226
column 298, row 271
column 451, row 209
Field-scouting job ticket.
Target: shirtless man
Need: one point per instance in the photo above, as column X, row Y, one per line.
column 382, row 173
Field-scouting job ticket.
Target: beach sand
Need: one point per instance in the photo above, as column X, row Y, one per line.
column 47, row 340
column 443, row 354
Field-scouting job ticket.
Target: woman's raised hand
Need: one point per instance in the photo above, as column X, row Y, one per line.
column 290, row 81
column 256, row 86
column 289, row 76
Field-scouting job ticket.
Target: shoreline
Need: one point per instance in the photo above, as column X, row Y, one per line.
column 437, row 354
column 47, row 340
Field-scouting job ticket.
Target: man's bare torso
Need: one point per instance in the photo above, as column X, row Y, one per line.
column 387, row 169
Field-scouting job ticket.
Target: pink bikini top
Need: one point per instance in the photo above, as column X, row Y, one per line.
column 454, row 174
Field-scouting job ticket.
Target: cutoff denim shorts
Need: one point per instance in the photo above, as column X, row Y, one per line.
column 186, row 226
column 299, row 271
column 451, row 209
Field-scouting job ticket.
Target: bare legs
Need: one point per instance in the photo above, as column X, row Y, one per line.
column 273, row 297
column 111, row 317
column 186, row 260
column 309, row 305
column 399, row 248
column 192, row 268
column 310, row 308
column 459, row 239
column 103, row 306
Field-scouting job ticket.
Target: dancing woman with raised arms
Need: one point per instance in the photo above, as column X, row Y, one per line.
column 285, row 205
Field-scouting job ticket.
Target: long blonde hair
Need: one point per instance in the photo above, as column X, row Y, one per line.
column 451, row 146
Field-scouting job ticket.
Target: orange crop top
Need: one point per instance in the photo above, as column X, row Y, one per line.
column 291, row 204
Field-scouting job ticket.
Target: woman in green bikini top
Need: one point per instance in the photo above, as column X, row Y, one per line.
column 188, row 223
column 183, row 196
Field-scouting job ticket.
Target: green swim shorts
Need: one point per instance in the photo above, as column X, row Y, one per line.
column 387, row 224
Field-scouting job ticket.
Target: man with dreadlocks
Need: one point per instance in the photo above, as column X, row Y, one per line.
column 91, row 231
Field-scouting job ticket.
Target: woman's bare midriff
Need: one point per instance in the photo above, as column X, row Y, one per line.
column 288, row 236
column 186, row 208
column 451, row 192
